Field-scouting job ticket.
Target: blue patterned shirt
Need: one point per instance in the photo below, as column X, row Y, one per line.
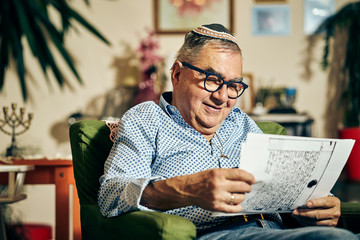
column 153, row 143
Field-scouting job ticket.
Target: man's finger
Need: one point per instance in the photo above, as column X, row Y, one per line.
column 314, row 214
column 239, row 175
column 325, row 202
column 238, row 187
column 320, row 216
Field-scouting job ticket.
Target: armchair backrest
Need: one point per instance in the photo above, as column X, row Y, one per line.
column 90, row 146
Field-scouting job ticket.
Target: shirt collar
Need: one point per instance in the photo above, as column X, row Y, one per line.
column 165, row 102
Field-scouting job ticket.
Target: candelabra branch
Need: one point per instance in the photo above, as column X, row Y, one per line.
column 14, row 124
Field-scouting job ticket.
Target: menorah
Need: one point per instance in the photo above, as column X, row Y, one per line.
column 14, row 121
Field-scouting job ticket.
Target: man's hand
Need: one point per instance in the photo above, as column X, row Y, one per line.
column 321, row 212
column 211, row 189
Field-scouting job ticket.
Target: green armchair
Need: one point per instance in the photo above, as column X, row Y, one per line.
column 90, row 146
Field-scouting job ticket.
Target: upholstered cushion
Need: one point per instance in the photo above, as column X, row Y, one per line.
column 271, row 128
column 134, row 225
column 90, row 146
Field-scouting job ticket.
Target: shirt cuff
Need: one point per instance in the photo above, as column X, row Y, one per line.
column 139, row 186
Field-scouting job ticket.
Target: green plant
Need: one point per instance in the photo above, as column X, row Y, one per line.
column 341, row 56
column 30, row 20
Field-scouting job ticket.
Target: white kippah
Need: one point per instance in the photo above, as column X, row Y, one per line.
column 215, row 31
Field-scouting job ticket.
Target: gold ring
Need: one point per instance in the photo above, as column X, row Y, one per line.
column 232, row 199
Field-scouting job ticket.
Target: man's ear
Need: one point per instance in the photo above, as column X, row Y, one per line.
column 175, row 72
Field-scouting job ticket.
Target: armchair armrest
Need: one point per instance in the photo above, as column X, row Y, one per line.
column 135, row 225
column 350, row 216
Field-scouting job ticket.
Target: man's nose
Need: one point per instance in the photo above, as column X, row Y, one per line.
column 222, row 93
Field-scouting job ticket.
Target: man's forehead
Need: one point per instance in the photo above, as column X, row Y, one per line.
column 214, row 57
column 216, row 50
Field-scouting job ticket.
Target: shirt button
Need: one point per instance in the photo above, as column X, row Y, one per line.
column 170, row 110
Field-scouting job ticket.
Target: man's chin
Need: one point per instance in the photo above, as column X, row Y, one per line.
column 208, row 124
column 209, row 128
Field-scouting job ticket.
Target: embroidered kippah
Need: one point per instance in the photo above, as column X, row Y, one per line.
column 215, row 31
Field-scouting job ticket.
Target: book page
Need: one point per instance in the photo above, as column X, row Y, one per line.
column 289, row 170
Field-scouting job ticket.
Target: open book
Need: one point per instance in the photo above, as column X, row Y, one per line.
column 289, row 170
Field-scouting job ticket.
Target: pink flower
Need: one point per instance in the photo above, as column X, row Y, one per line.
column 147, row 50
column 149, row 60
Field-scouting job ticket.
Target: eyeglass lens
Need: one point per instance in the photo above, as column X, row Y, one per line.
column 213, row 83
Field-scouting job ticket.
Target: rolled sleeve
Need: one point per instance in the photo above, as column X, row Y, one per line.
column 139, row 187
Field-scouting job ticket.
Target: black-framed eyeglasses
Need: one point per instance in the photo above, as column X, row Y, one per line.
column 214, row 82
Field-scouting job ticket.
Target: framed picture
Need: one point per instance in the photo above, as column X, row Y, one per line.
column 270, row 1
column 271, row 20
column 247, row 101
column 173, row 18
column 315, row 12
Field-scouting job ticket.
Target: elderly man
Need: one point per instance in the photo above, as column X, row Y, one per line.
column 182, row 156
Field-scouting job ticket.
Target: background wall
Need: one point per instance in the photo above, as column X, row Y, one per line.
column 276, row 60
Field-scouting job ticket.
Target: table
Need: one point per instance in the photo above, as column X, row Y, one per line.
column 16, row 178
column 15, row 183
column 60, row 173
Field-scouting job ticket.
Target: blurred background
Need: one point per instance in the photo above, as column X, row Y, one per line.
column 277, row 63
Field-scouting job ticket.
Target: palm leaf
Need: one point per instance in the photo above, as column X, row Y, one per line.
column 19, row 60
column 57, row 40
column 29, row 19
column 4, row 40
column 347, row 19
column 47, row 56
column 70, row 13
column 4, row 56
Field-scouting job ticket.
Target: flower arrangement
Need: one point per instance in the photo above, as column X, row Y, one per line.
column 147, row 49
column 152, row 77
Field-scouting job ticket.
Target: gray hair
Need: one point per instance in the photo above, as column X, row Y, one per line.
column 194, row 43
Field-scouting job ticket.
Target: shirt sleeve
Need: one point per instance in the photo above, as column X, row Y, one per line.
column 127, row 170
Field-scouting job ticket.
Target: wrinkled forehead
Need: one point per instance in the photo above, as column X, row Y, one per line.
column 224, row 62
column 217, row 54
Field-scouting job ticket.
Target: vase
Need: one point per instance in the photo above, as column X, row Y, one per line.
column 146, row 89
column 353, row 162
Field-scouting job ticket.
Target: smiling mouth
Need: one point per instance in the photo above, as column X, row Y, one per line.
column 213, row 107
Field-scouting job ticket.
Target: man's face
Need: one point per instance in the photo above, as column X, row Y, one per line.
column 203, row 110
